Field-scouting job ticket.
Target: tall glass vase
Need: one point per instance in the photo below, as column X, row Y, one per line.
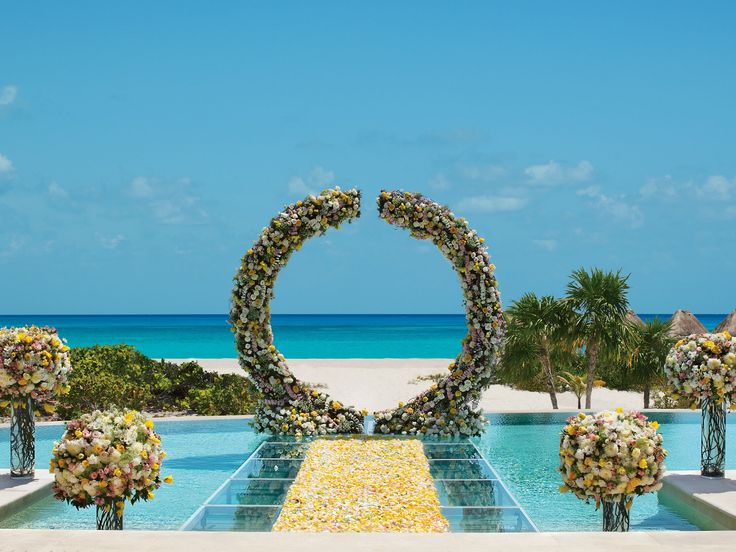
column 616, row 516
column 109, row 518
column 22, row 438
column 712, row 439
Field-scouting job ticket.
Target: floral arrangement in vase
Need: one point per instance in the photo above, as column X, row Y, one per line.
column 105, row 459
column 701, row 369
column 34, row 369
column 610, row 458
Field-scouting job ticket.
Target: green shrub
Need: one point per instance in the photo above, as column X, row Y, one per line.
column 119, row 375
column 227, row 394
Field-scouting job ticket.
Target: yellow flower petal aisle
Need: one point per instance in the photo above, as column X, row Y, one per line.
column 367, row 485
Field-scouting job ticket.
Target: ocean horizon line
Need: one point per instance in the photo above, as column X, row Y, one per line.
column 307, row 335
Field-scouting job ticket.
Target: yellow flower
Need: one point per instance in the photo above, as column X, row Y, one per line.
column 168, row 479
column 619, row 410
column 643, row 463
column 117, row 472
column 654, row 424
column 564, row 488
column 149, row 424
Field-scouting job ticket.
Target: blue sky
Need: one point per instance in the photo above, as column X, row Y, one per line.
column 143, row 147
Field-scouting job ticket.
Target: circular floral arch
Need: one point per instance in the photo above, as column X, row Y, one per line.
column 288, row 406
column 450, row 407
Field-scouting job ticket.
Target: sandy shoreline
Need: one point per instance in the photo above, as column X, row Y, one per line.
column 378, row 383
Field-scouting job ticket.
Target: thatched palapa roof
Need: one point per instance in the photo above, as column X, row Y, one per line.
column 684, row 323
column 728, row 324
column 633, row 318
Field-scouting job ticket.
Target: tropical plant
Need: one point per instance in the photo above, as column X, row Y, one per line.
column 120, row 376
column 600, row 302
column 577, row 384
column 649, row 347
column 537, row 329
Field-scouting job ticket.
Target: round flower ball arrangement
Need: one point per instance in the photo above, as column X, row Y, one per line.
column 34, row 368
column 106, row 458
column 702, row 369
column 610, row 458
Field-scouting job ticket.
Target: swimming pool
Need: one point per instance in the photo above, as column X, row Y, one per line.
column 521, row 447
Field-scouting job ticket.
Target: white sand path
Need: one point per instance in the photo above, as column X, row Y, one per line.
column 379, row 383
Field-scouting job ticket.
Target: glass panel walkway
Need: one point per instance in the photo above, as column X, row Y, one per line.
column 472, row 496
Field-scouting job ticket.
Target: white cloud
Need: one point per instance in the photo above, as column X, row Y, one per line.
column 661, row 188
column 168, row 202
column 6, row 165
column 491, row 204
column 555, row 173
column 55, row 190
column 440, row 182
column 717, row 187
column 548, row 245
column 110, row 242
column 318, row 179
column 297, row 186
column 617, row 208
column 484, row 173
column 140, row 186
column 14, row 245
column 8, row 94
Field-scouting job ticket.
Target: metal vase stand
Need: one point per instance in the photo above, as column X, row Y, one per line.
column 713, row 439
column 616, row 515
column 108, row 518
column 22, row 439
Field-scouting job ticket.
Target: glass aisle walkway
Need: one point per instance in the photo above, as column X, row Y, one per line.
column 473, row 498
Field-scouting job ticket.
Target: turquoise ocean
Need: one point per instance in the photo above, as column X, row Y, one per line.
column 296, row 335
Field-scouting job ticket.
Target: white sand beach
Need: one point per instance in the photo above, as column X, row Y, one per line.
column 379, row 383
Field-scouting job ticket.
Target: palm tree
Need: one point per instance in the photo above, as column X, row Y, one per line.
column 600, row 301
column 536, row 325
column 578, row 384
column 649, row 347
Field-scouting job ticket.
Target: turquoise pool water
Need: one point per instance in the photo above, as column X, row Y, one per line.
column 201, row 455
column 521, row 447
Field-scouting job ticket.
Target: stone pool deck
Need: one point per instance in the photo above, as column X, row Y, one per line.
column 712, row 502
column 713, row 499
column 170, row 541
column 16, row 494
